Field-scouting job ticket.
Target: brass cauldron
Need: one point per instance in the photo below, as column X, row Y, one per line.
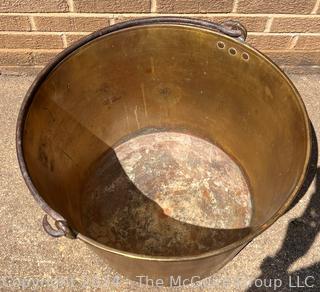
column 165, row 144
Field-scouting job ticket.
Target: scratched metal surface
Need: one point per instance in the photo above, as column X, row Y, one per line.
column 166, row 193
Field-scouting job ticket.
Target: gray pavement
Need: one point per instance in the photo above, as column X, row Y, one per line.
column 290, row 248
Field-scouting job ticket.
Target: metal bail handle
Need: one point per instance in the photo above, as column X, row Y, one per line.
column 230, row 28
column 62, row 228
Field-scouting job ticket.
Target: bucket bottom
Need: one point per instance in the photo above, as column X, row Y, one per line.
column 166, row 194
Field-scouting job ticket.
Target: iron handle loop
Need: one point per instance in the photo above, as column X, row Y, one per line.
column 234, row 29
column 62, row 228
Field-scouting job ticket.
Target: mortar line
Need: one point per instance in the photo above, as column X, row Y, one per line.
column 253, row 33
column 268, row 25
column 18, row 66
column 112, row 21
column 32, row 23
column 153, row 7
column 43, row 32
column 30, row 50
column 263, row 33
column 70, row 5
column 59, row 50
column 292, row 51
column 134, row 14
column 235, row 6
column 316, row 7
column 64, row 40
column 293, row 41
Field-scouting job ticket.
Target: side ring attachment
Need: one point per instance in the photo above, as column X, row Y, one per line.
column 236, row 26
column 62, row 228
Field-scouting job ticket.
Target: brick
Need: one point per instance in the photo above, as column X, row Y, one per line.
column 26, row 57
column 252, row 24
column 43, row 57
column 33, row 6
column 280, row 6
column 71, row 38
column 13, row 57
column 65, row 24
column 193, row 6
column 112, row 5
column 308, row 42
column 296, row 24
column 269, row 41
column 16, row 41
column 14, row 23
column 296, row 58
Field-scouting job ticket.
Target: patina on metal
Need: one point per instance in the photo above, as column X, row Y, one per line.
column 166, row 144
column 166, row 193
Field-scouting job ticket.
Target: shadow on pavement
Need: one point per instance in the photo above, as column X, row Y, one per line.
column 300, row 236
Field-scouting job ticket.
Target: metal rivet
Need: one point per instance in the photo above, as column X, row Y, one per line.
column 232, row 51
column 220, row 45
column 245, row 56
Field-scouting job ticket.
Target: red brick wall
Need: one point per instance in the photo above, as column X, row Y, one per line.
column 33, row 31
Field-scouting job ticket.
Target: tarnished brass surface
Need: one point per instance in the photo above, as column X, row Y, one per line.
column 166, row 194
column 168, row 77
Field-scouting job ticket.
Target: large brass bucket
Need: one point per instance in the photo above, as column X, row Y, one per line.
column 165, row 144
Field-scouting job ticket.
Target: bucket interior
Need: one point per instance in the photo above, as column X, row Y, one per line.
column 165, row 140
column 166, row 193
